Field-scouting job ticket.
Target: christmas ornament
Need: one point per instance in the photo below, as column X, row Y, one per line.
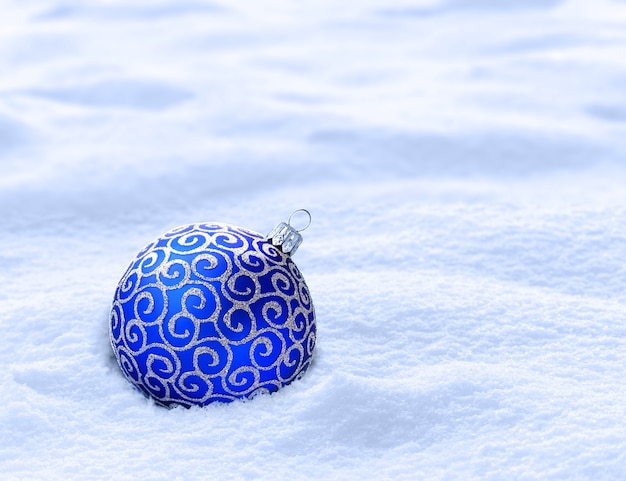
column 213, row 312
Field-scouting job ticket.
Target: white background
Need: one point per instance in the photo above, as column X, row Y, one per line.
column 464, row 164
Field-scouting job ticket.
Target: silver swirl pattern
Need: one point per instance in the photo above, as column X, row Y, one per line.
column 211, row 312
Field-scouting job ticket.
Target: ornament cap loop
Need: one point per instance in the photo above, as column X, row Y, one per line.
column 286, row 237
column 308, row 222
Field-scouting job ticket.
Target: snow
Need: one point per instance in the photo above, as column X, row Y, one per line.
column 463, row 161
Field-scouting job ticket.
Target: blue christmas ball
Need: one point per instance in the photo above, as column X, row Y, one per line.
column 212, row 312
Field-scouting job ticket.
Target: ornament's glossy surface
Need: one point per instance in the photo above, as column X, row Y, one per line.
column 211, row 312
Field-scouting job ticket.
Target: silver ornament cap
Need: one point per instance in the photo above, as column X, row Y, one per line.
column 286, row 237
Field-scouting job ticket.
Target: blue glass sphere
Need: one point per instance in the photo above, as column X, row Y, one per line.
column 211, row 312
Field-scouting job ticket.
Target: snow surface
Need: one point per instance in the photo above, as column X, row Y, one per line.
column 464, row 164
